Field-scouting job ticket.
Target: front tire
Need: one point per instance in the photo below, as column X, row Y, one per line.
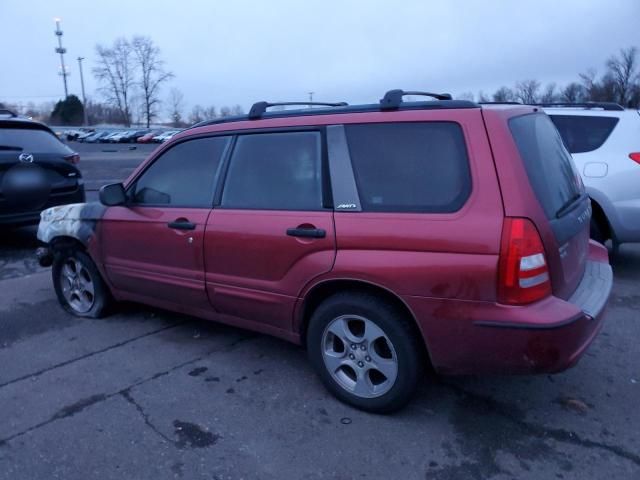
column 78, row 284
column 366, row 351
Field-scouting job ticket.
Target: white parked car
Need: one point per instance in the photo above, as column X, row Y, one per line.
column 604, row 139
column 164, row 136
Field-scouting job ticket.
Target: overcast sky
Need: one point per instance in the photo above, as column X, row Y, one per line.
column 236, row 52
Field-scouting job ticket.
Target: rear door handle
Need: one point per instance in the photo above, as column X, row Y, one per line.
column 182, row 224
column 306, row 232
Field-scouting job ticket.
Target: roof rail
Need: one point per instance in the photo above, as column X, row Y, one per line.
column 499, row 103
column 393, row 98
column 259, row 108
column 6, row 111
column 603, row 105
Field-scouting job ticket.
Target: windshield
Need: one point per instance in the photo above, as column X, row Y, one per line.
column 549, row 165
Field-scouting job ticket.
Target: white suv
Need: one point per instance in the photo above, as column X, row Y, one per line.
column 604, row 140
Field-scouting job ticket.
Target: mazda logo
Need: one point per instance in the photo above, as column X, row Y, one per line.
column 25, row 158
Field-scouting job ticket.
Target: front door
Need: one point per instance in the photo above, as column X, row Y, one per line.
column 272, row 232
column 152, row 248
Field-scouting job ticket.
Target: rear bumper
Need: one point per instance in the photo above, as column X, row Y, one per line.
column 545, row 337
column 33, row 217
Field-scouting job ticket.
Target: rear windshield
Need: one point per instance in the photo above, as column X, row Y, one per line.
column 549, row 166
column 583, row 134
column 30, row 140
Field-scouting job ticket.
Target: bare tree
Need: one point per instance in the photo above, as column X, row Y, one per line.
column 527, row 91
column 590, row 84
column 465, row 96
column 225, row 112
column 116, row 72
column 176, row 105
column 482, row 97
column 237, row 110
column 550, row 94
column 623, row 73
column 196, row 115
column 572, row 93
column 210, row 112
column 504, row 94
column 152, row 74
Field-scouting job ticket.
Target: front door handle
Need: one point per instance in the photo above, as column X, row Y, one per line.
column 182, row 224
column 306, row 232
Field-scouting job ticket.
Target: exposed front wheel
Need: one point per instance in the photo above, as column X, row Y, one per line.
column 366, row 351
column 78, row 284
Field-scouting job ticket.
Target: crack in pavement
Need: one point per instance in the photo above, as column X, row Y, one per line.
column 90, row 354
column 83, row 404
column 541, row 432
column 126, row 394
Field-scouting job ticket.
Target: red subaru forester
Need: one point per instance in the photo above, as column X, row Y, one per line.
column 382, row 237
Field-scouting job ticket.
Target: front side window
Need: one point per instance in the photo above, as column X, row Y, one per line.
column 183, row 176
column 275, row 171
column 410, row 167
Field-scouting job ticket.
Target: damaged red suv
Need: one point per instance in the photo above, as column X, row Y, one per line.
column 383, row 237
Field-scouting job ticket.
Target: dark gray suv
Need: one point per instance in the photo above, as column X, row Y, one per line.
column 37, row 171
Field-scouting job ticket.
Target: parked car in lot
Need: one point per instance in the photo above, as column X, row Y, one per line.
column 96, row 137
column 381, row 237
column 111, row 136
column 37, row 171
column 604, row 140
column 164, row 136
column 84, row 135
column 132, row 136
column 74, row 134
column 148, row 137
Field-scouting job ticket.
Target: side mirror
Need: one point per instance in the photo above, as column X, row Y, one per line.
column 113, row 194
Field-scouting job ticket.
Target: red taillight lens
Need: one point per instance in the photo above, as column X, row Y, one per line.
column 523, row 276
column 635, row 157
column 73, row 159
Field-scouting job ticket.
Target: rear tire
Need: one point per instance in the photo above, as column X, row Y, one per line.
column 78, row 284
column 366, row 351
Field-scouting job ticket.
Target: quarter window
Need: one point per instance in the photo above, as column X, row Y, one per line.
column 183, row 176
column 410, row 167
column 582, row 133
column 275, row 171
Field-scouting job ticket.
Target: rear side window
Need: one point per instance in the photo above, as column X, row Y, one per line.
column 275, row 171
column 410, row 167
column 549, row 166
column 183, row 176
column 583, row 134
column 30, row 140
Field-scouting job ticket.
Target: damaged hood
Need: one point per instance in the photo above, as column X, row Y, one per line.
column 77, row 220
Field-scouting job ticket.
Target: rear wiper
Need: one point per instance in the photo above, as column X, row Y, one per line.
column 570, row 205
column 10, row 147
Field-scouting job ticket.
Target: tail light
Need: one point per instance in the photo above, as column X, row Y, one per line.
column 635, row 157
column 73, row 159
column 523, row 275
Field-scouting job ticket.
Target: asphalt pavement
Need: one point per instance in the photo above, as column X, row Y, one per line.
column 148, row 394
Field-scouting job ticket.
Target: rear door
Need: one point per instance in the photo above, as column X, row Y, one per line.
column 272, row 231
column 558, row 187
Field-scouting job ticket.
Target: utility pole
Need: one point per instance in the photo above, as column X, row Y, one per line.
column 61, row 50
column 310, row 97
column 84, row 97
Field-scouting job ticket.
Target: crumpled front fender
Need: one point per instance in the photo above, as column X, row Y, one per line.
column 76, row 220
